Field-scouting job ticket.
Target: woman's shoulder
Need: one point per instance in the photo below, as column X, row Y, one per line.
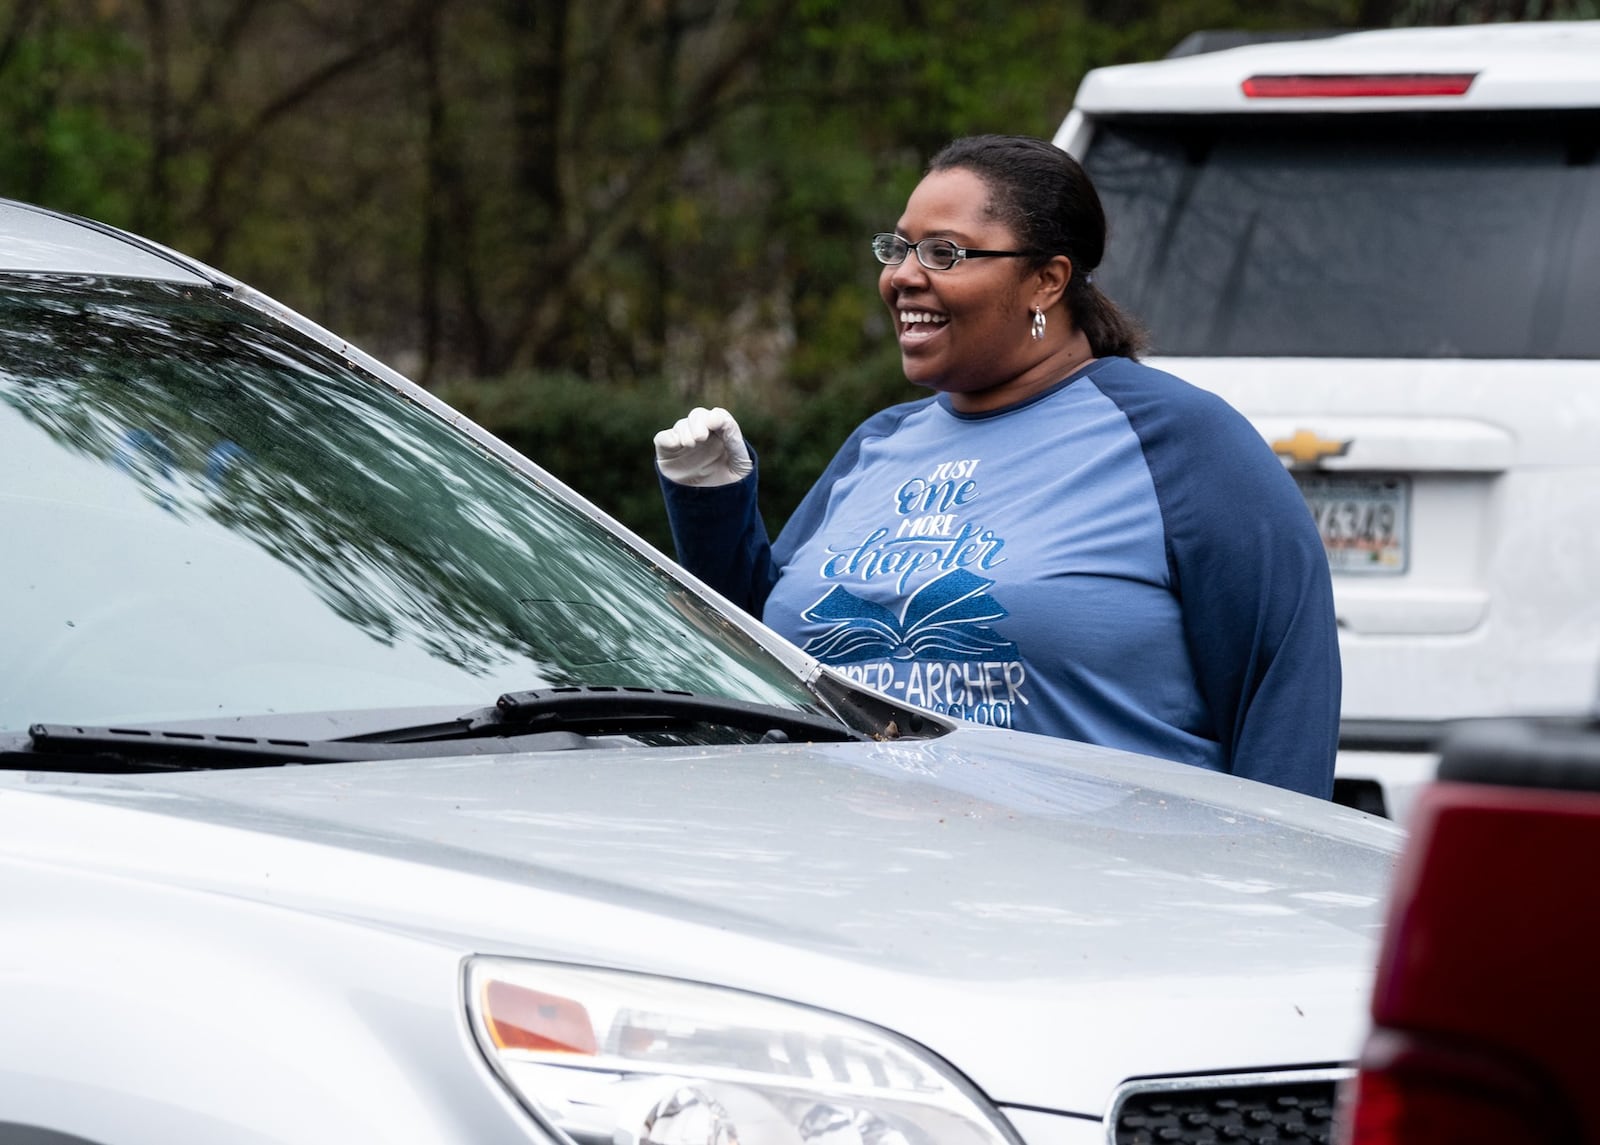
column 1185, row 429
column 1127, row 378
column 1162, row 405
column 890, row 418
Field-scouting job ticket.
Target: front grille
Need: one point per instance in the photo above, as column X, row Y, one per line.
column 1285, row 1109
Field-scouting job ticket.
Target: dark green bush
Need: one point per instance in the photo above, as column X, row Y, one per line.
column 596, row 436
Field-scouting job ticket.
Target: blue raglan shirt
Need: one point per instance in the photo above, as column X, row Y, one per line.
column 1119, row 560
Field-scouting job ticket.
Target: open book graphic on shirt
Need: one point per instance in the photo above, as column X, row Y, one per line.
column 947, row 618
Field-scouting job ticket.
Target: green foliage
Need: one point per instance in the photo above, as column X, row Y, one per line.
column 675, row 194
column 60, row 145
column 596, row 436
column 1144, row 31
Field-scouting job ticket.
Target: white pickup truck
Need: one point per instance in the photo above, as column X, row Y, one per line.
column 1384, row 248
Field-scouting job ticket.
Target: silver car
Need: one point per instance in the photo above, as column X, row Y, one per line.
column 364, row 784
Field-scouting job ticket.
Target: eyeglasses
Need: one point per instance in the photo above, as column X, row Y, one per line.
column 935, row 254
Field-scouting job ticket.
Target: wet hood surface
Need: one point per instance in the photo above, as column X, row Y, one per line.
column 1051, row 918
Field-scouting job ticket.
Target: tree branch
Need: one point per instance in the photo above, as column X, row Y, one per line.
column 21, row 18
column 226, row 48
column 708, row 103
column 231, row 150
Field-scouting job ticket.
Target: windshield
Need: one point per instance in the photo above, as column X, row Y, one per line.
column 1421, row 236
column 206, row 514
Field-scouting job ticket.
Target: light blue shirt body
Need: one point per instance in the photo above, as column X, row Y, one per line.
column 1120, row 560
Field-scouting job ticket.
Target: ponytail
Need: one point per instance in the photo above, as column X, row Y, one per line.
column 1111, row 331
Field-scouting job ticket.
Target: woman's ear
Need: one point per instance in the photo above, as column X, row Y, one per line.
column 1051, row 281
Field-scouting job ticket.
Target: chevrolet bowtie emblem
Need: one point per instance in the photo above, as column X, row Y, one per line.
column 1306, row 448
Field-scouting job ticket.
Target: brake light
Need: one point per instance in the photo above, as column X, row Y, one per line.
column 1356, row 87
column 1419, row 1091
column 1391, row 1110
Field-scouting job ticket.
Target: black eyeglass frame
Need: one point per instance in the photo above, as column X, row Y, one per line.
column 959, row 252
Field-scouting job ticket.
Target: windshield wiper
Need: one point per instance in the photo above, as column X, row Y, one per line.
column 551, row 719
column 597, row 709
column 62, row 747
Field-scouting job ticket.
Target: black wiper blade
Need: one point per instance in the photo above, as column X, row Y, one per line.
column 549, row 719
column 598, row 709
column 65, row 747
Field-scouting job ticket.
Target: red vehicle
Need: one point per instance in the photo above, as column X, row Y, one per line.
column 1486, row 1006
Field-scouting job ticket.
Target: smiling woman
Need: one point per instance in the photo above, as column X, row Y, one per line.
column 1060, row 539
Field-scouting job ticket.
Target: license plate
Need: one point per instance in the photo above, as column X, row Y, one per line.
column 1363, row 518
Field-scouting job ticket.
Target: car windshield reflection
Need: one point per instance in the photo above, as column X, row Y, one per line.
column 209, row 515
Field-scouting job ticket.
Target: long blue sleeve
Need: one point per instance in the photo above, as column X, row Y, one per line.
column 720, row 537
column 1249, row 570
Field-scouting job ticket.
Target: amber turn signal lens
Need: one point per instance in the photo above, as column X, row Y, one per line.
column 522, row 1019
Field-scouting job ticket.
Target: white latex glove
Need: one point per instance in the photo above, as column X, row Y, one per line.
column 705, row 448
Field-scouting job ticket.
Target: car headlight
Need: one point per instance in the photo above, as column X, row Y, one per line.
column 609, row 1058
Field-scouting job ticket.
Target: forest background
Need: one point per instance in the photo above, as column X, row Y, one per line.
column 574, row 219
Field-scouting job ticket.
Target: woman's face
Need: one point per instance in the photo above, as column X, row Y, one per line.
column 965, row 329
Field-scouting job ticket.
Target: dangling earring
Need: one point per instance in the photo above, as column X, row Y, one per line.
column 1038, row 324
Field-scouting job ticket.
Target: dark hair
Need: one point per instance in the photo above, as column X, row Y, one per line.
column 1047, row 200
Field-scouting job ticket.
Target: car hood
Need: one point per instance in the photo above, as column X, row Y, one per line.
column 1050, row 917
